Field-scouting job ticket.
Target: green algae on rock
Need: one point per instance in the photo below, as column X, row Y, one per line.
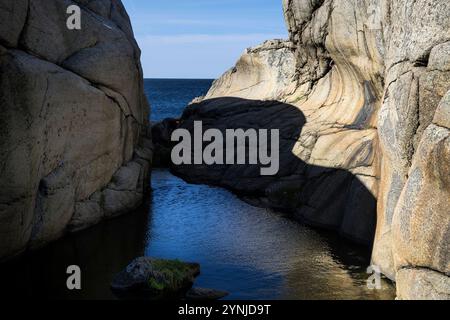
column 155, row 278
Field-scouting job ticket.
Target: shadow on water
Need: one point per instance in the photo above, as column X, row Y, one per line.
column 101, row 252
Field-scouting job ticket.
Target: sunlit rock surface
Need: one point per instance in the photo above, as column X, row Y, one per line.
column 73, row 120
column 263, row 71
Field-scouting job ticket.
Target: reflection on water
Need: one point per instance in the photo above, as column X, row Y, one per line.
column 252, row 253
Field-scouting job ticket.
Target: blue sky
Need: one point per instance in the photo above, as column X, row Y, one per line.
column 200, row 38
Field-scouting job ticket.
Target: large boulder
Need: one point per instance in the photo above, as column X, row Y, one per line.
column 73, row 113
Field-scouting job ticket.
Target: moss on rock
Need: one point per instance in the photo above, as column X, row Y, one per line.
column 156, row 278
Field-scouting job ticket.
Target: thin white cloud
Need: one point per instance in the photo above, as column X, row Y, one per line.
column 180, row 39
column 145, row 19
column 155, row 20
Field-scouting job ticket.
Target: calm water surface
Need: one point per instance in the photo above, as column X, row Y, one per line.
column 253, row 253
column 169, row 97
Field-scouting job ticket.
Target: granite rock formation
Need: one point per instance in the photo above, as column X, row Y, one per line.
column 74, row 146
column 371, row 79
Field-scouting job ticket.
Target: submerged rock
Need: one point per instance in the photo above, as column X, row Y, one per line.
column 155, row 278
column 203, row 294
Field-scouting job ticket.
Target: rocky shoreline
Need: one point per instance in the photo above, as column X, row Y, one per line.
column 360, row 93
column 363, row 104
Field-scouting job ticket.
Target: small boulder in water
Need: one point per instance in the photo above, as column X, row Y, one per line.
column 155, row 278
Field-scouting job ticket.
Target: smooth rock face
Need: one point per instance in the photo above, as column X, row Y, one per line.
column 371, row 81
column 73, row 113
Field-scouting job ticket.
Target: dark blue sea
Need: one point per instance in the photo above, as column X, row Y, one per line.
column 251, row 252
column 169, row 97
